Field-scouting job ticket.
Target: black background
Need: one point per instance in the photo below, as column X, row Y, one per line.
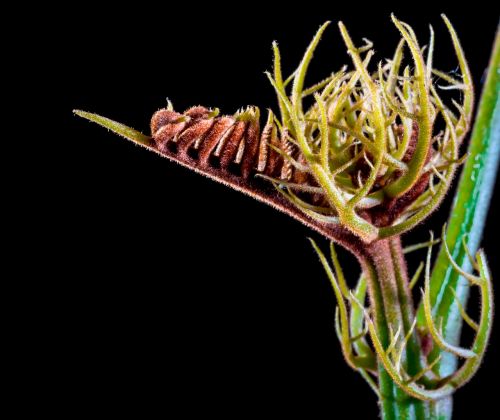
column 175, row 294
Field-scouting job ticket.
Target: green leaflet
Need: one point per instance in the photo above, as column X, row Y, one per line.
column 116, row 127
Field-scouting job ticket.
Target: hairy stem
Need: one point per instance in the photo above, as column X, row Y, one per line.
column 386, row 386
column 379, row 270
column 392, row 308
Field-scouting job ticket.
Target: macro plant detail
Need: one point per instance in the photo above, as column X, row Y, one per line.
column 362, row 157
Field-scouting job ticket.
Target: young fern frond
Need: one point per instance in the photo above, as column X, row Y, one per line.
column 363, row 165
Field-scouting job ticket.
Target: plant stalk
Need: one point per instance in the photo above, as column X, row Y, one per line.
column 392, row 305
